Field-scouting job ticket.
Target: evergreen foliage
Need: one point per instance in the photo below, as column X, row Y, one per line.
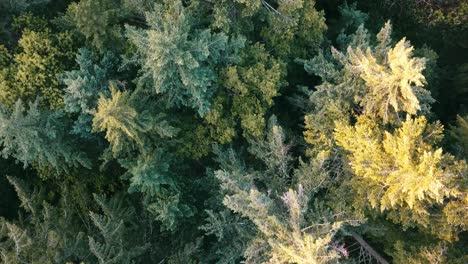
column 34, row 70
column 252, row 87
column 403, row 172
column 83, row 87
column 233, row 131
column 185, row 75
column 97, row 21
column 38, row 138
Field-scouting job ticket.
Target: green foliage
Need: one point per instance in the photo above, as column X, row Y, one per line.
column 284, row 237
column 38, row 137
column 124, row 126
column 83, row 87
column 98, row 21
column 35, row 68
column 171, row 131
column 392, row 86
column 186, row 75
column 15, row 6
column 384, row 81
column 252, row 84
column 119, row 120
column 234, row 15
column 435, row 13
column 459, row 133
column 150, row 175
column 295, row 28
column 115, row 226
column 49, row 234
column 274, row 152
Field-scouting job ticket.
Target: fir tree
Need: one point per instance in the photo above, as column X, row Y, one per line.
column 186, row 75
column 38, row 138
column 115, row 226
column 97, row 21
column 404, row 174
column 83, row 87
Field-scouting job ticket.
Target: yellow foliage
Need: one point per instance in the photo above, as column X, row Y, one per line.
column 390, row 81
column 115, row 116
column 402, row 170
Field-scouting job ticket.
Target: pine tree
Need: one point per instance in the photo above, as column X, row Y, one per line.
column 186, row 75
column 47, row 234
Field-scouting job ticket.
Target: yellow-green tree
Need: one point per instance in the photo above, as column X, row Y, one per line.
column 250, row 88
column 119, row 120
column 33, row 71
column 403, row 174
column 294, row 28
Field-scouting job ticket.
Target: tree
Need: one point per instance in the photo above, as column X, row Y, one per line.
column 119, row 120
column 115, row 226
column 294, row 29
column 83, row 87
column 235, row 16
column 249, row 90
column 393, row 86
column 47, row 234
column 39, row 138
column 403, row 174
column 186, row 75
column 285, row 238
column 150, row 175
column 10, row 8
column 97, row 21
column 459, row 134
column 34, row 70
column 375, row 80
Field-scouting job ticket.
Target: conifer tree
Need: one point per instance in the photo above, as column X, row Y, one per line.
column 294, row 29
column 392, row 76
column 252, row 84
column 235, row 16
column 119, row 120
column 84, row 86
column 404, row 174
column 116, row 227
column 35, row 69
column 97, row 21
column 377, row 80
column 459, row 133
column 47, row 234
column 38, row 138
column 177, row 59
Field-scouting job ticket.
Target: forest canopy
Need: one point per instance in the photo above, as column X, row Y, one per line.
column 233, row 131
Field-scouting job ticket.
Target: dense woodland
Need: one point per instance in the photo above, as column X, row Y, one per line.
column 233, row 131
